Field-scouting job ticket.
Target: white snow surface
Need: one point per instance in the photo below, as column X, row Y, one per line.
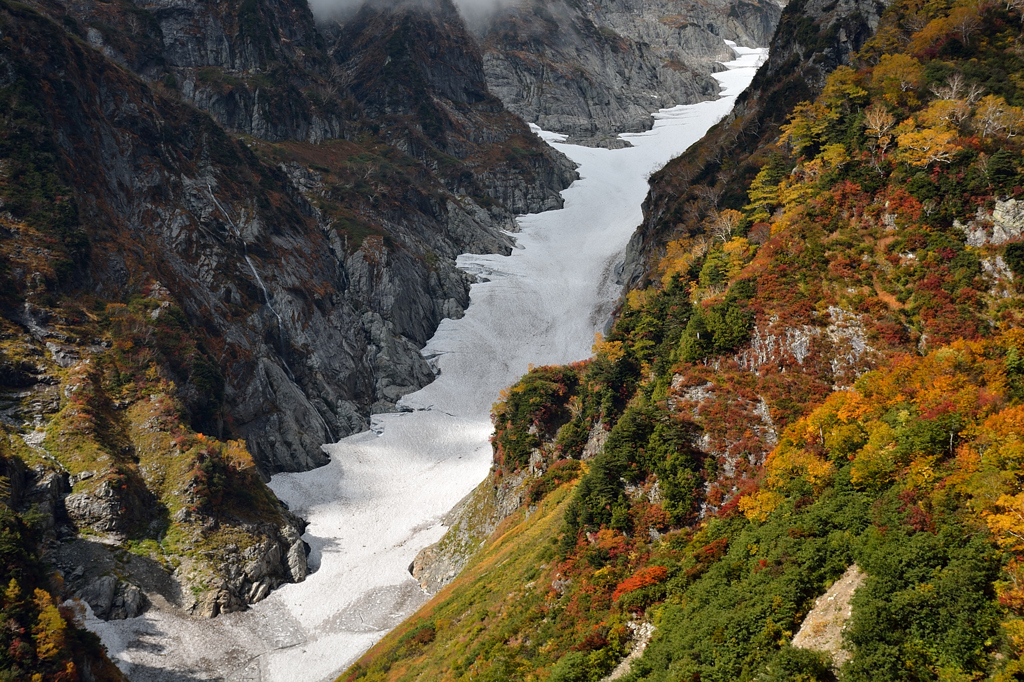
column 380, row 499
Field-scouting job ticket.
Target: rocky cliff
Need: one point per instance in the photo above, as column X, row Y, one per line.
column 224, row 241
column 434, row 199
column 596, row 69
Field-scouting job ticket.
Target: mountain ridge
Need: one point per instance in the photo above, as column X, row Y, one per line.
column 596, row 70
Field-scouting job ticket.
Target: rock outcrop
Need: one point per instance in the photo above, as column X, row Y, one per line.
column 823, row 627
column 1004, row 223
column 111, row 599
column 597, row 69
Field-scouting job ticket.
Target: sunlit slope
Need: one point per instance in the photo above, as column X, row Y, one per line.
column 504, row 592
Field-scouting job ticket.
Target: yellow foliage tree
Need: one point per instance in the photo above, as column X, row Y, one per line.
column 843, row 90
column 927, row 146
column 795, row 193
column 738, row 253
column 760, row 504
column 50, row 630
column 935, row 30
column 637, row 299
column 12, row 595
column 879, row 123
column 965, row 20
column 945, row 114
column 791, row 461
column 679, row 256
column 995, row 118
column 834, row 156
column 612, row 351
column 1007, row 523
column 897, row 76
column 1001, row 438
column 807, row 125
column 763, row 195
column 876, row 463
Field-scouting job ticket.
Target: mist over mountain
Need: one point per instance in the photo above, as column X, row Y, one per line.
column 474, row 12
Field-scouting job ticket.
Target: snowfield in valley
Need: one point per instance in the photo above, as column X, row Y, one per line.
column 380, row 500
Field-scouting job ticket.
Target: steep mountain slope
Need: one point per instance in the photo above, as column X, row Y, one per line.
column 194, row 300
column 812, row 39
column 419, row 77
column 225, row 55
column 112, row 386
column 820, row 368
column 594, row 70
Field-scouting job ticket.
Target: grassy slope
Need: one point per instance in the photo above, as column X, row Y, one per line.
column 504, row 590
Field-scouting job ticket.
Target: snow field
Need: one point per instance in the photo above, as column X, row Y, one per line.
column 381, row 499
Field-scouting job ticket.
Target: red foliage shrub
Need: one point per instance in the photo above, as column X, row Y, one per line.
column 759, row 233
column 425, row 635
column 646, row 515
column 652, row 575
column 592, row 642
column 713, row 551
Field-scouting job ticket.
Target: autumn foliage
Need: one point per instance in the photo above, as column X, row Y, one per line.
column 645, row 577
column 41, row 639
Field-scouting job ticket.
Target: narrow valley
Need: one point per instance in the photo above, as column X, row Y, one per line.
column 382, row 497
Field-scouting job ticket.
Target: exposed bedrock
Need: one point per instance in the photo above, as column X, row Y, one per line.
column 596, row 69
column 315, row 323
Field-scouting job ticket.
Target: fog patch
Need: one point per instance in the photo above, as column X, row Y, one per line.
column 479, row 13
column 476, row 13
column 331, row 11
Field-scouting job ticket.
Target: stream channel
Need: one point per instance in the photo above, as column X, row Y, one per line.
column 382, row 497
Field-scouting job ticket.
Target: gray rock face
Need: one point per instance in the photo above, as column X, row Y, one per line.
column 230, row 577
column 296, row 557
column 239, row 577
column 100, row 595
column 217, row 52
column 316, row 326
column 846, row 25
column 130, row 603
column 597, row 69
column 1004, row 223
column 112, row 506
column 113, row 599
